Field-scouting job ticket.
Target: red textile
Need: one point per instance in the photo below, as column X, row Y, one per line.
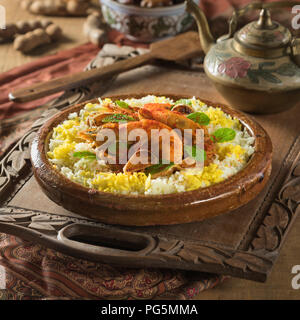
column 31, row 271
column 44, row 69
column 47, row 68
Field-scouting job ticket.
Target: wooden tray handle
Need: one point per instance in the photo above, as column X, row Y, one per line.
column 101, row 241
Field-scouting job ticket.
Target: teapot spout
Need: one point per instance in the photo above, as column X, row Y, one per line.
column 206, row 38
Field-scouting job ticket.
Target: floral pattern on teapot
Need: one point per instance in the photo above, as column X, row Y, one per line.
column 223, row 62
column 235, row 67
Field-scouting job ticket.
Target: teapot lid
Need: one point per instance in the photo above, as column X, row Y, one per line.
column 263, row 38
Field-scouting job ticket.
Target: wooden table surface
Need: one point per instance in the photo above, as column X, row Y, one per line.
column 278, row 286
column 72, row 29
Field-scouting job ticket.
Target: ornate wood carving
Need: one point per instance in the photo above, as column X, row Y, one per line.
column 180, row 254
column 282, row 210
column 248, row 264
column 253, row 262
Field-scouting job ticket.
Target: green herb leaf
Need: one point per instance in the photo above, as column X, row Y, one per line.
column 197, row 154
column 84, row 154
column 268, row 76
column 288, row 70
column 253, row 76
column 266, row 64
column 186, row 102
column 199, row 117
column 122, row 104
column 117, row 117
column 156, row 168
column 223, row 135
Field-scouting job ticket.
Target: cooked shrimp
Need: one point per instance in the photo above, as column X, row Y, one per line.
column 89, row 135
column 144, row 157
column 116, row 109
column 152, row 116
column 96, row 119
column 170, row 118
column 182, row 108
column 148, row 126
column 160, row 105
column 177, row 120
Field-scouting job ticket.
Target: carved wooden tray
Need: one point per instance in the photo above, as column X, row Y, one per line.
column 132, row 210
column 243, row 243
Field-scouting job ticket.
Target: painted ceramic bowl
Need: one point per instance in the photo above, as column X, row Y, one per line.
column 162, row 209
column 146, row 24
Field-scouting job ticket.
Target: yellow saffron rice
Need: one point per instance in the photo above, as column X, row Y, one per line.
column 231, row 156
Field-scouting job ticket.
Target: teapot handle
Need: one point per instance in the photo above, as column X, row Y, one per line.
column 255, row 6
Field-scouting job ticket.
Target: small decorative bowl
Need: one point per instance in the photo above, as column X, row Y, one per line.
column 146, row 24
column 146, row 210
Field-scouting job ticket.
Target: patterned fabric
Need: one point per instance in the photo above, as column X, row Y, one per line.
column 35, row 272
column 31, row 271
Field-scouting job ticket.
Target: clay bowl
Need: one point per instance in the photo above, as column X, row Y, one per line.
column 146, row 210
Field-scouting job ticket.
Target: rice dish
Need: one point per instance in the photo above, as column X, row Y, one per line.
column 67, row 141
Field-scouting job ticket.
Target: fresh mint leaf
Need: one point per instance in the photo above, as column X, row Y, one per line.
column 122, row 104
column 156, row 168
column 223, row 135
column 84, row 154
column 199, row 117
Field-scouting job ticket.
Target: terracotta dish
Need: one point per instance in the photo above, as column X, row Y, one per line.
column 145, row 210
